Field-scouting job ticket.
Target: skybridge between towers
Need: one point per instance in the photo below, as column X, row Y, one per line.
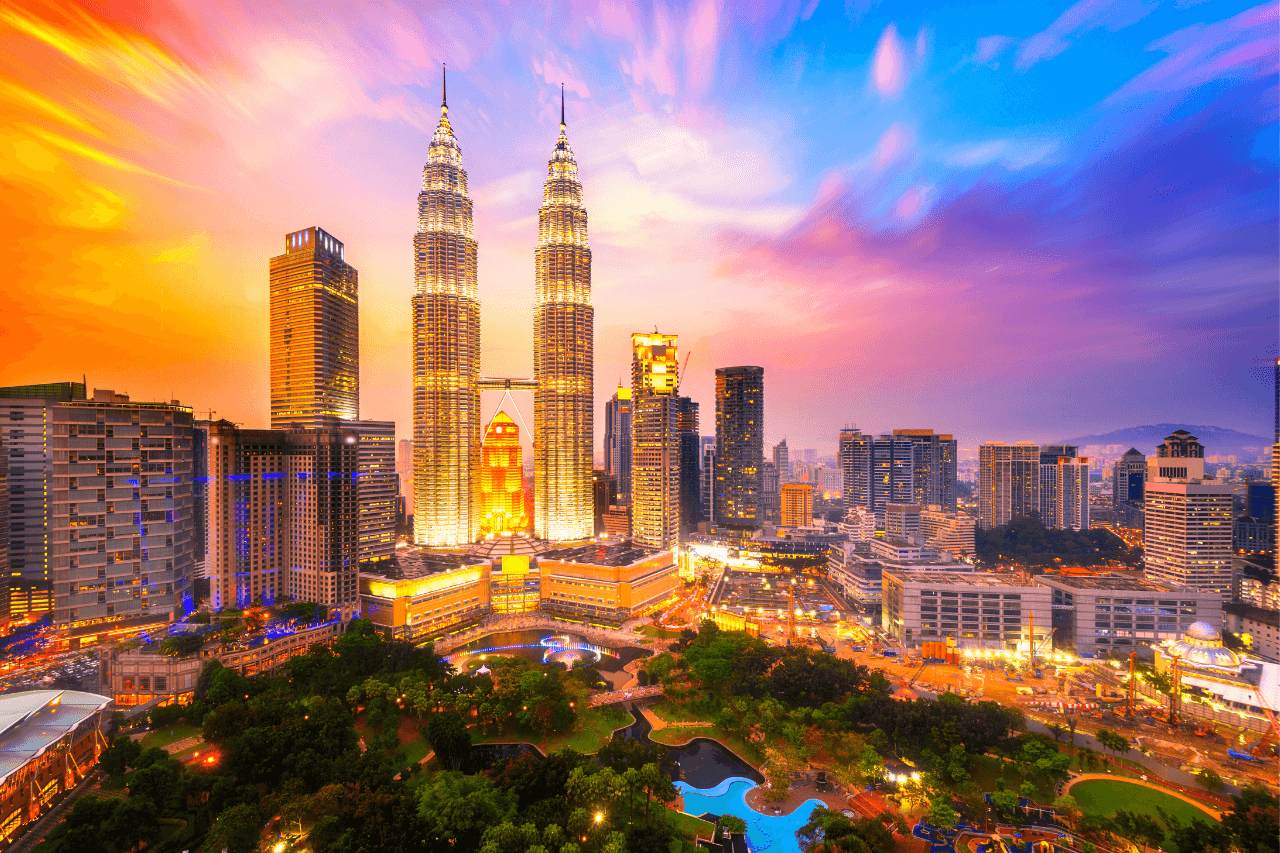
column 495, row 383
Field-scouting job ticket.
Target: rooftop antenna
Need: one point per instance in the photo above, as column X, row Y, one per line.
column 444, row 87
column 562, row 106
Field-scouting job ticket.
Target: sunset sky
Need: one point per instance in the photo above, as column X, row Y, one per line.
column 1005, row 220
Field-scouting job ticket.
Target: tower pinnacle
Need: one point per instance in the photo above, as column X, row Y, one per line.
column 444, row 87
column 562, row 106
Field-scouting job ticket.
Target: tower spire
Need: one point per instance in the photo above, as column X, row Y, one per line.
column 562, row 106
column 444, row 87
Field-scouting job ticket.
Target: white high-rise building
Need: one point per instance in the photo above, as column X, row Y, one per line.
column 1187, row 538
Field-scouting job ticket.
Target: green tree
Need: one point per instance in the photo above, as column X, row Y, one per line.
column 941, row 814
column 449, row 737
column 459, row 808
column 121, row 755
column 1210, row 779
column 1253, row 821
column 1005, row 802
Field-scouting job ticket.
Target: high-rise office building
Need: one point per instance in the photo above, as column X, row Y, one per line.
column 933, row 467
column 604, row 494
column 1187, row 533
column 283, row 518
column 502, row 478
column 1008, row 482
column 770, row 493
column 876, row 470
column 1129, row 475
column 1049, row 456
column 375, row 490
column 617, row 441
column 4, row 534
column 121, row 522
column 563, row 355
column 739, row 445
column 690, row 475
column 446, row 351
column 315, row 333
column 797, row 505
column 404, row 470
column 655, row 446
column 782, row 461
column 1071, row 491
column 708, row 479
column 25, row 429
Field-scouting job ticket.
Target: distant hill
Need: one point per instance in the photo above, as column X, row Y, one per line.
column 1217, row 441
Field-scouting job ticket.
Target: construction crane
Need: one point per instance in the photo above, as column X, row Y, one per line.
column 1273, row 733
column 791, row 612
column 1133, row 683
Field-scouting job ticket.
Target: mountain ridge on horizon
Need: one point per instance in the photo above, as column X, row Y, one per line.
column 1217, row 441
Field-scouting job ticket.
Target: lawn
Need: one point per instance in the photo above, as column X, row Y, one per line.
column 593, row 727
column 680, row 735
column 1104, row 797
column 659, row 633
column 690, row 825
column 168, row 735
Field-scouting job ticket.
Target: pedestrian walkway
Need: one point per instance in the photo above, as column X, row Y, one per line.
column 180, row 745
column 625, row 695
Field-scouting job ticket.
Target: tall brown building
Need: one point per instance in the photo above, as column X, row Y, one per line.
column 315, row 336
column 282, row 517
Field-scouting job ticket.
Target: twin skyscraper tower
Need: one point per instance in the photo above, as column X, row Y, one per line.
column 446, row 353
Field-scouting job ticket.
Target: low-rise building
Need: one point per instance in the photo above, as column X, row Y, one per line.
column 977, row 609
column 947, row 531
column 142, row 674
column 1219, row 684
column 857, row 568
column 426, row 594
column 1257, row 627
column 1096, row 614
column 51, row 740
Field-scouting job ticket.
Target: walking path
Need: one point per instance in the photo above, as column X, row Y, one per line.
column 625, row 695
column 622, row 635
column 658, row 723
column 1200, row 804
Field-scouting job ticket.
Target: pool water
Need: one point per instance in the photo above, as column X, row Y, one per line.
column 764, row 832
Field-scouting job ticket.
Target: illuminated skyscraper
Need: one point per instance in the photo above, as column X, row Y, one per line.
column 1008, row 482
column 690, row 475
column 446, row 351
column 617, row 441
column 655, row 444
column 502, row 478
column 563, row 355
column 315, row 333
column 739, row 444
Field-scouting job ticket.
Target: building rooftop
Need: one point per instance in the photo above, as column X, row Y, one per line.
column 957, row 578
column 1127, row 583
column 410, row 563
column 613, row 554
column 32, row 721
column 1245, row 610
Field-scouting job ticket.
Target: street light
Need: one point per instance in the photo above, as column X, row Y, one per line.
column 599, row 817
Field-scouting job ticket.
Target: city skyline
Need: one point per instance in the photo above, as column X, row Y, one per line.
column 797, row 175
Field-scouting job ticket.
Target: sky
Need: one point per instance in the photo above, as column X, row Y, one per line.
column 1002, row 220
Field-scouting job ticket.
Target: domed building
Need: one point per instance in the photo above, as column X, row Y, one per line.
column 1219, row 684
column 1202, row 646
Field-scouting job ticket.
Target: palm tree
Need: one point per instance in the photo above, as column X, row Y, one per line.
column 1071, row 724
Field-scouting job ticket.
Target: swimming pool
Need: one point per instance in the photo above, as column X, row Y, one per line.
column 764, row 832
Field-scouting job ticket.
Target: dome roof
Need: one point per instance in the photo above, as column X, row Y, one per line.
column 1203, row 631
column 1202, row 646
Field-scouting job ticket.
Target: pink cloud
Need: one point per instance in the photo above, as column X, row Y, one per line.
column 895, row 142
column 701, row 40
column 889, row 66
column 989, row 47
column 552, row 71
column 1080, row 18
column 910, row 204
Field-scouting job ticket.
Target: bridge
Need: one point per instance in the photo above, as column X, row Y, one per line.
column 629, row 695
column 495, row 383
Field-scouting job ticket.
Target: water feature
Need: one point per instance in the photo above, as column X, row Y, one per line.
column 775, row 833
